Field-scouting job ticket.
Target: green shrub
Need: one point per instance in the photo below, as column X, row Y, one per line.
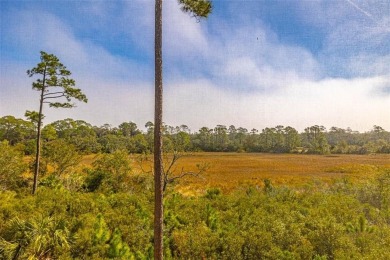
column 12, row 167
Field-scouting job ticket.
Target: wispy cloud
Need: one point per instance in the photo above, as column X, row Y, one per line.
column 361, row 10
column 385, row 28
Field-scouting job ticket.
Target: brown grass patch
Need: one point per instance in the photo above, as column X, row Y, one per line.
column 231, row 170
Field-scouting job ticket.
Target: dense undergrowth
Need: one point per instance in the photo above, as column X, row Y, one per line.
column 339, row 221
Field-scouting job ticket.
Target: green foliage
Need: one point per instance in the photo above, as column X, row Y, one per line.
column 100, row 237
column 177, row 141
column 117, row 248
column 340, row 221
column 140, row 144
column 111, row 172
column 76, row 132
column 316, row 140
column 52, row 181
column 15, row 130
column 129, row 129
column 211, row 218
column 49, row 133
column 12, row 167
column 94, row 180
column 360, row 226
column 117, row 163
column 268, row 188
column 54, row 76
column 279, row 139
column 62, row 156
column 377, row 193
column 213, row 193
column 54, row 84
column 198, row 8
column 111, row 143
column 33, row 116
column 39, row 238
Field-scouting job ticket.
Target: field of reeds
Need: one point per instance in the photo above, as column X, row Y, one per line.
column 229, row 171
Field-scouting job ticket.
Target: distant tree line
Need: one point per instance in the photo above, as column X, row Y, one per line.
column 87, row 138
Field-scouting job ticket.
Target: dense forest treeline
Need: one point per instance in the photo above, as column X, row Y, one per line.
column 127, row 136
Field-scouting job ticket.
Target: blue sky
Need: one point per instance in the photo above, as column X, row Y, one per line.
column 253, row 63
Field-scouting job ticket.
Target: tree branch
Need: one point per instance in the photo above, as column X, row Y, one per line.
column 183, row 174
column 63, row 95
column 54, row 93
column 168, row 179
column 141, row 159
column 176, row 157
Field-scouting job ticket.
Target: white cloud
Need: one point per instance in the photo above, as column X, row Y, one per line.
column 245, row 75
column 109, row 101
column 111, row 83
column 114, row 103
column 47, row 32
column 344, row 103
column 33, row 32
column 215, row 74
column 329, row 102
column 182, row 34
column 251, row 58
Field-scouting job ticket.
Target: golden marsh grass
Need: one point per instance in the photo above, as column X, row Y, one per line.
column 229, row 171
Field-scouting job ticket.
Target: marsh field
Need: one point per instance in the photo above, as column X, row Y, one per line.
column 230, row 171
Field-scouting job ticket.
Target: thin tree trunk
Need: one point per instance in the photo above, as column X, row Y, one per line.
column 38, row 151
column 158, row 169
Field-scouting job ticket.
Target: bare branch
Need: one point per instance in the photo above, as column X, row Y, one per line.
column 183, row 174
column 176, row 156
column 63, row 95
column 53, row 93
column 141, row 159
column 167, row 174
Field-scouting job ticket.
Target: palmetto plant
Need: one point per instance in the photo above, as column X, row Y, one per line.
column 36, row 239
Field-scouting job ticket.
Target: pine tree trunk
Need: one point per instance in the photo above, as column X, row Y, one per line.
column 158, row 170
column 38, row 148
